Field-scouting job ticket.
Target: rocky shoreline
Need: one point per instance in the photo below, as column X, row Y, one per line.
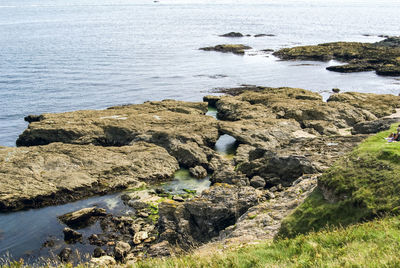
column 286, row 137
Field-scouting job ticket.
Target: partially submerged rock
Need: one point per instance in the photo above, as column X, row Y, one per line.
column 232, row 34
column 383, row 56
column 37, row 176
column 81, row 218
column 71, row 236
column 233, row 48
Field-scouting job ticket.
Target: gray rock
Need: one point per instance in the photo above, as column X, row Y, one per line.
column 198, row 172
column 121, row 250
column 98, row 252
column 65, row 254
column 103, row 261
column 375, row 126
column 257, row 182
column 232, row 34
column 161, row 249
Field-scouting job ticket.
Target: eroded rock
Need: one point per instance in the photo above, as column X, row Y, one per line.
column 83, row 217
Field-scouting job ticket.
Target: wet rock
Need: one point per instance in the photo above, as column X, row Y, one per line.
column 381, row 56
column 139, row 237
column 162, row 249
column 375, row 126
column 98, row 252
column 121, row 250
column 71, row 236
column 83, row 217
column 95, row 240
column 235, row 49
column 103, row 261
column 335, row 90
column 200, row 219
column 263, row 35
column 232, row 34
column 178, row 198
column 198, row 172
column 65, row 254
column 33, row 118
column 58, row 173
column 257, row 182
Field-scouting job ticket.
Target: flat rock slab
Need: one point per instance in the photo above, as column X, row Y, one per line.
column 58, row 173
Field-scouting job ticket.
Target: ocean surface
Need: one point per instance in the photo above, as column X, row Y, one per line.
column 58, row 55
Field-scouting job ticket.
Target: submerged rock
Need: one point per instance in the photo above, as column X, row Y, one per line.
column 233, row 48
column 232, row 34
column 262, row 35
column 383, row 56
column 58, row 173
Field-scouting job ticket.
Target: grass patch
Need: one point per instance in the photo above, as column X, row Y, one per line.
column 372, row 244
column 364, row 184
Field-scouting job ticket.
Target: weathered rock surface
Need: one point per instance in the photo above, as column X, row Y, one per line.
column 263, row 220
column 121, row 250
column 370, row 127
column 198, row 220
column 180, row 127
column 235, row 49
column 71, row 236
column 198, row 172
column 383, row 56
column 103, row 261
column 81, row 218
column 59, row 173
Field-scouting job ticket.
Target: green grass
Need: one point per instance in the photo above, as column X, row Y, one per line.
column 366, row 184
column 372, row 244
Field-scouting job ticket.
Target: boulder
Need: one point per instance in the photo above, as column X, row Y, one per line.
column 375, row 126
column 139, row 237
column 82, row 218
column 198, row 172
column 103, row 261
column 257, row 182
column 71, row 236
column 162, row 249
column 98, row 252
column 57, row 173
column 121, row 250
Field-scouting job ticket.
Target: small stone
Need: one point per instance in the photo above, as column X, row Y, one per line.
column 94, row 240
column 232, row 34
column 257, row 182
column 110, row 243
column 178, row 198
column 335, row 90
column 139, row 237
column 71, row 236
column 98, row 252
column 65, row 254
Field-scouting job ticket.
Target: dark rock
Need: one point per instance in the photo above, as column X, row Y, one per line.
column 198, row 172
column 229, row 176
column 262, row 35
column 375, row 126
column 232, row 34
column 335, row 90
column 257, row 182
column 98, row 252
column 95, row 240
column 33, row 118
column 211, row 100
column 393, row 41
column 235, row 49
column 83, row 217
column 65, row 254
column 71, row 236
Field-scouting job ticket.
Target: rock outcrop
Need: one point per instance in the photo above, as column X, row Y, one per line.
column 198, row 220
column 231, row 48
column 58, row 173
column 383, row 56
column 232, row 34
column 180, row 127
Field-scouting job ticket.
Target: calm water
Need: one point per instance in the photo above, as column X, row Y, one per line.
column 89, row 54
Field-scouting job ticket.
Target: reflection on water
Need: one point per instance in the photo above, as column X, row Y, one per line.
column 226, row 145
column 183, row 180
